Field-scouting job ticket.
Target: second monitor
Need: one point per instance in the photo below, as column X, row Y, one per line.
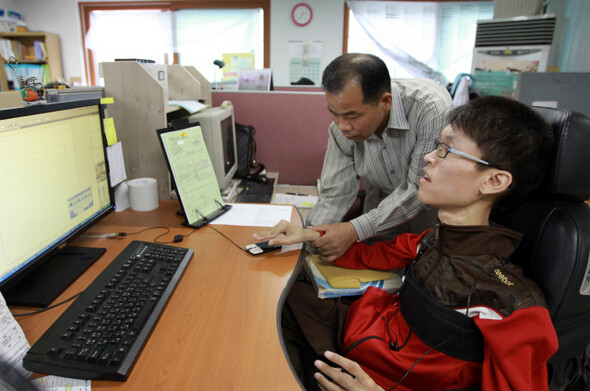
column 219, row 132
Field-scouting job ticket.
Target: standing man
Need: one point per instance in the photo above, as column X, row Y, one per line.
column 381, row 131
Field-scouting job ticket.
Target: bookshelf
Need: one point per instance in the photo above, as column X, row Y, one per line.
column 23, row 44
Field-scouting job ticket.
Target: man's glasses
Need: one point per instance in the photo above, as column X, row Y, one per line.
column 442, row 150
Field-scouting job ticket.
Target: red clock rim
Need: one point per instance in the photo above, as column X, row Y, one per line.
column 293, row 14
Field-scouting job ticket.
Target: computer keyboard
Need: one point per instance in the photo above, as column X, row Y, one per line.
column 101, row 335
column 256, row 192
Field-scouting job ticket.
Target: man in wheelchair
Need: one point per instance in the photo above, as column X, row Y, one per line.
column 465, row 317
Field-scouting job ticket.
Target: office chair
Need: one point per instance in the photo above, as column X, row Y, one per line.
column 554, row 251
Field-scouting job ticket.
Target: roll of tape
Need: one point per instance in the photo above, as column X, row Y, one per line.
column 143, row 194
column 122, row 197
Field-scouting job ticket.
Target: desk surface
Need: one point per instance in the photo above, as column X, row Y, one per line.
column 219, row 330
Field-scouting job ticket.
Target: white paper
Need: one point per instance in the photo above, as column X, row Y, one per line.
column 116, row 164
column 545, row 103
column 56, row 383
column 192, row 106
column 298, row 200
column 254, row 215
column 13, row 343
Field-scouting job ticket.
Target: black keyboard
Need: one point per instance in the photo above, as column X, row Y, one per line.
column 102, row 333
column 256, row 192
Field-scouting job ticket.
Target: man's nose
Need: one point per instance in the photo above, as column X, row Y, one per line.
column 430, row 157
column 344, row 124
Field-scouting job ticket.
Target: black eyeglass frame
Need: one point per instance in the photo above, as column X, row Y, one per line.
column 449, row 149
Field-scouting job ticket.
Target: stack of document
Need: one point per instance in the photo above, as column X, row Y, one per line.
column 330, row 280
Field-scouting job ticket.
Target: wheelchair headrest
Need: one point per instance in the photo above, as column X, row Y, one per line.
column 568, row 175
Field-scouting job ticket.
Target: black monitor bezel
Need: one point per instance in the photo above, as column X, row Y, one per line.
column 41, row 259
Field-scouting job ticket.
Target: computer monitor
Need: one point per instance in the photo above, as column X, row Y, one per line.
column 54, row 186
column 219, row 132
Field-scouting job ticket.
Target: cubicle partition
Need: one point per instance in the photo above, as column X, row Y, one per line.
column 291, row 130
column 291, row 126
column 564, row 90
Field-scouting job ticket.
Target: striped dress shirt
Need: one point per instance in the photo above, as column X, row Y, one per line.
column 390, row 166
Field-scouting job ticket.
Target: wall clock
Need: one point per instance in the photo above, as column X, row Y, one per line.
column 301, row 14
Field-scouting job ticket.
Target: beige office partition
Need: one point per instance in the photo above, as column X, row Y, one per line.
column 140, row 108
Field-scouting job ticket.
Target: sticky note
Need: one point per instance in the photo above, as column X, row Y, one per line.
column 109, row 130
column 106, row 101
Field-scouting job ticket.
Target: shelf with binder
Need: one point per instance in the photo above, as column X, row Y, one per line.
column 38, row 54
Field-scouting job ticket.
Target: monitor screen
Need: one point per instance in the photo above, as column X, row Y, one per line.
column 55, row 185
column 229, row 144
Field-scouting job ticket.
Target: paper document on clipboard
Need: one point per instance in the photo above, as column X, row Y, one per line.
column 193, row 174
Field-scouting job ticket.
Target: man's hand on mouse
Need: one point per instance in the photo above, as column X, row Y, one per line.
column 331, row 241
column 287, row 233
column 336, row 240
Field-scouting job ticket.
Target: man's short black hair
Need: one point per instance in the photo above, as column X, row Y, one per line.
column 510, row 135
column 369, row 70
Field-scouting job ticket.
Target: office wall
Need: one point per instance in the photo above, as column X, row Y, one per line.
column 61, row 17
column 576, row 51
column 10, row 4
column 326, row 26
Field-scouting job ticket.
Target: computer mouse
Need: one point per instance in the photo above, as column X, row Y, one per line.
column 261, row 248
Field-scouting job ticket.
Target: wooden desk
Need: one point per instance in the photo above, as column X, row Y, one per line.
column 219, row 330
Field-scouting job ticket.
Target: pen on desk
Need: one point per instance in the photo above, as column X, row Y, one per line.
column 296, row 194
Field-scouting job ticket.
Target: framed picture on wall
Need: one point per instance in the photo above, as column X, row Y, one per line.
column 255, row 79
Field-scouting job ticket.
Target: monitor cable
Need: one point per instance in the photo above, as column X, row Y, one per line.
column 48, row 308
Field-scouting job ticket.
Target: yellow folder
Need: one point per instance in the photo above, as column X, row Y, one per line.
column 339, row 277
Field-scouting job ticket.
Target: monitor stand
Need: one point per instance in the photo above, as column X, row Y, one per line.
column 229, row 193
column 41, row 287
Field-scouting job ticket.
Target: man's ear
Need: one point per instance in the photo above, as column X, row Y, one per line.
column 496, row 182
column 385, row 101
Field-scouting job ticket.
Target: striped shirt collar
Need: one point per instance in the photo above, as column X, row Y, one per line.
column 397, row 115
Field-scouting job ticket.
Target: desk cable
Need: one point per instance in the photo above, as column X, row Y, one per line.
column 225, row 236
column 177, row 238
column 111, row 235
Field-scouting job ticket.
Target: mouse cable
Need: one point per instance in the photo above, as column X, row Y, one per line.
column 48, row 308
column 146, row 229
column 118, row 234
column 225, row 236
column 176, row 239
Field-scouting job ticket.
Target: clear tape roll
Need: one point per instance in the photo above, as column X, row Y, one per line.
column 143, row 194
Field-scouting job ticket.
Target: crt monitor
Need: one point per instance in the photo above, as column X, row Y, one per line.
column 219, row 132
column 55, row 185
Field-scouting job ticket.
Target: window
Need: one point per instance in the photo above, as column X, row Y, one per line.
column 190, row 33
column 418, row 39
column 145, row 34
column 205, row 35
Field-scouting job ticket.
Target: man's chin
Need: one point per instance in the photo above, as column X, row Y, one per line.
column 422, row 197
column 356, row 139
